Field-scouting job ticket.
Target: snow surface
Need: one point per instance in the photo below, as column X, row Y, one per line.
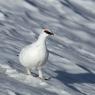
column 71, row 63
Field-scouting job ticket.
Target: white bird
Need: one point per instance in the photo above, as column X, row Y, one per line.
column 35, row 55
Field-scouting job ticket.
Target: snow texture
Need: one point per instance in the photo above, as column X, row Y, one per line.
column 71, row 63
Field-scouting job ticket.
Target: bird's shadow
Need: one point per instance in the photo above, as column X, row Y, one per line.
column 65, row 77
column 69, row 78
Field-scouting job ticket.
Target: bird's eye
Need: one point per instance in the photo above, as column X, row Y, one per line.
column 50, row 33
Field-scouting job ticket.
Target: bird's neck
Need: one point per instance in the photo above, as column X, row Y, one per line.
column 42, row 39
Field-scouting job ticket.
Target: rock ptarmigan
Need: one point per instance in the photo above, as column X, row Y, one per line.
column 36, row 54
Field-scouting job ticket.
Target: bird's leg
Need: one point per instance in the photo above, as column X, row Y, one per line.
column 28, row 71
column 40, row 72
column 40, row 75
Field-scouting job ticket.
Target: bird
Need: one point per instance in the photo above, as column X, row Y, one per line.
column 36, row 54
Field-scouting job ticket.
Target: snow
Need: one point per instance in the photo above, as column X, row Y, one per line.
column 71, row 63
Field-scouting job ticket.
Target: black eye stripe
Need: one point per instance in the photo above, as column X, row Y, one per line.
column 46, row 31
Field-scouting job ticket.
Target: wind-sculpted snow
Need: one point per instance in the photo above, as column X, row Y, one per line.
column 71, row 63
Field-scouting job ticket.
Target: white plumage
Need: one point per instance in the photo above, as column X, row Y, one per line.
column 36, row 54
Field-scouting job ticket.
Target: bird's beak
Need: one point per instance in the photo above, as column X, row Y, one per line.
column 52, row 33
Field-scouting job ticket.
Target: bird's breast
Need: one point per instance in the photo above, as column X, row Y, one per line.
column 34, row 56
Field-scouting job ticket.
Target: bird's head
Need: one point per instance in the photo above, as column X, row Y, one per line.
column 48, row 32
column 45, row 34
